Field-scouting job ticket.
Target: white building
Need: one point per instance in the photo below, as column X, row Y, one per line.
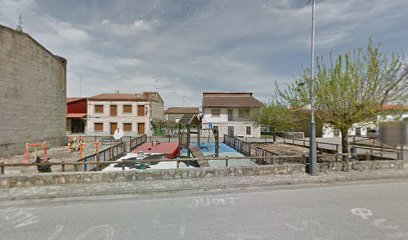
column 229, row 112
column 132, row 113
column 360, row 129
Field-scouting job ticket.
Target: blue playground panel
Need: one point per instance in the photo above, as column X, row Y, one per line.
column 210, row 148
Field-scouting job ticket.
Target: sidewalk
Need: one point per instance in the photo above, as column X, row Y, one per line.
column 197, row 184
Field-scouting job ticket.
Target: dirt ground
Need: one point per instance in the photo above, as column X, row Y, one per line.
column 55, row 154
column 282, row 149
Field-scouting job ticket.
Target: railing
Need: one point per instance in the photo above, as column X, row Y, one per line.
column 108, row 154
column 135, row 142
column 80, row 166
column 267, row 159
column 237, row 144
column 319, row 145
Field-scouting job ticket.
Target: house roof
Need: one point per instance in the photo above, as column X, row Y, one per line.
column 181, row 110
column 230, row 99
column 135, row 97
column 395, row 107
column 189, row 118
column 73, row 99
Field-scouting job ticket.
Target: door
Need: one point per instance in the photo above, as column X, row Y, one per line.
column 113, row 127
column 231, row 131
column 229, row 114
column 141, row 128
column 113, row 110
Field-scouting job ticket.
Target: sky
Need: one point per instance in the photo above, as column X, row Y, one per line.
column 182, row 48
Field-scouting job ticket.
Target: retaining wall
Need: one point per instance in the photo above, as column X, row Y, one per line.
column 39, row 179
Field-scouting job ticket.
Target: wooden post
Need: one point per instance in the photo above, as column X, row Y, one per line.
column 226, row 161
column 199, row 136
column 188, row 141
column 45, row 151
column 62, row 167
column 2, row 167
column 178, row 164
column 27, row 153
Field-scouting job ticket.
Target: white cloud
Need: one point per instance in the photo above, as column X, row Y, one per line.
column 183, row 48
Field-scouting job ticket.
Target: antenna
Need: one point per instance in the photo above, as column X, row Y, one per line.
column 80, row 85
column 20, row 23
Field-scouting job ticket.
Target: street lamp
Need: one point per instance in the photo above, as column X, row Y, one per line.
column 312, row 137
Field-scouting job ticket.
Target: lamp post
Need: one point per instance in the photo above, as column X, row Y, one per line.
column 312, row 137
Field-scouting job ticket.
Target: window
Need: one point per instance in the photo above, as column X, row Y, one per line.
column 336, row 132
column 127, row 127
column 98, row 108
column 215, row 112
column 98, row 127
column 113, row 110
column 127, row 108
column 140, row 110
column 243, row 113
column 248, row 130
column 141, row 128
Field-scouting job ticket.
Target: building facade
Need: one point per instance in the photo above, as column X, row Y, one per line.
column 76, row 115
column 230, row 113
column 132, row 113
column 176, row 113
column 32, row 93
column 389, row 113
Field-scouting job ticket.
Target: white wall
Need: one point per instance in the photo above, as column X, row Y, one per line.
column 328, row 131
column 222, row 122
column 120, row 119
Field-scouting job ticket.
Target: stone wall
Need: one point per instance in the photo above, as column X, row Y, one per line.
column 32, row 93
column 8, row 181
column 362, row 165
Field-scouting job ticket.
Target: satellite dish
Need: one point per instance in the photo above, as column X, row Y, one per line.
column 118, row 134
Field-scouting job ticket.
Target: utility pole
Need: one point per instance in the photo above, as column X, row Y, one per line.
column 312, row 137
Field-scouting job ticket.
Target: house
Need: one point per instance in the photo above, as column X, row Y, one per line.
column 32, row 93
column 132, row 113
column 176, row 113
column 390, row 113
column 76, row 115
column 230, row 113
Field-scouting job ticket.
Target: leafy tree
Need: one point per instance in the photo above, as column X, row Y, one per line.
column 352, row 88
column 275, row 115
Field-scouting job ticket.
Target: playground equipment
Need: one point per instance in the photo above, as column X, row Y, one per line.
column 74, row 143
column 44, row 146
column 188, row 120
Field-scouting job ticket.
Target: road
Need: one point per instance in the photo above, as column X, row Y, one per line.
column 373, row 210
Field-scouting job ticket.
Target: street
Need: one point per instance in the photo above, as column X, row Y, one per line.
column 371, row 210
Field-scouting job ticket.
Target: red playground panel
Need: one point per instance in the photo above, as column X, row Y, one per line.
column 169, row 148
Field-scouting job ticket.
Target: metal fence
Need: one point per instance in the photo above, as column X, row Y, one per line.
column 239, row 145
column 135, row 142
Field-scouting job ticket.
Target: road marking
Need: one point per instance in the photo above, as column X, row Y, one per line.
column 19, row 217
column 364, row 213
column 109, row 231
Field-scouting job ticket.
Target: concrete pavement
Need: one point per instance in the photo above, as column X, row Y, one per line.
column 363, row 211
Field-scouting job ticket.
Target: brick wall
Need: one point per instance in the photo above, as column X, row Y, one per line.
column 32, row 93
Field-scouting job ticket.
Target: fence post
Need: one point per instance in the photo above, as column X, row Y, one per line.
column 226, row 161
column 62, row 167
column 178, row 164
column 2, row 167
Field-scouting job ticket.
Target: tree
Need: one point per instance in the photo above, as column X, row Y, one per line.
column 352, row 88
column 275, row 115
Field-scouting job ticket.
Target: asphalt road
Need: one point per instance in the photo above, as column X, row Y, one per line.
column 354, row 211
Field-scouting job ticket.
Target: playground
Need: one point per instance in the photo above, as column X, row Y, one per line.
column 42, row 153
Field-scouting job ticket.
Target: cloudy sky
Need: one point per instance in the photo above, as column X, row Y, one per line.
column 184, row 47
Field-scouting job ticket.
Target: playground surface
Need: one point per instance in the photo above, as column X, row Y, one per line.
column 208, row 149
